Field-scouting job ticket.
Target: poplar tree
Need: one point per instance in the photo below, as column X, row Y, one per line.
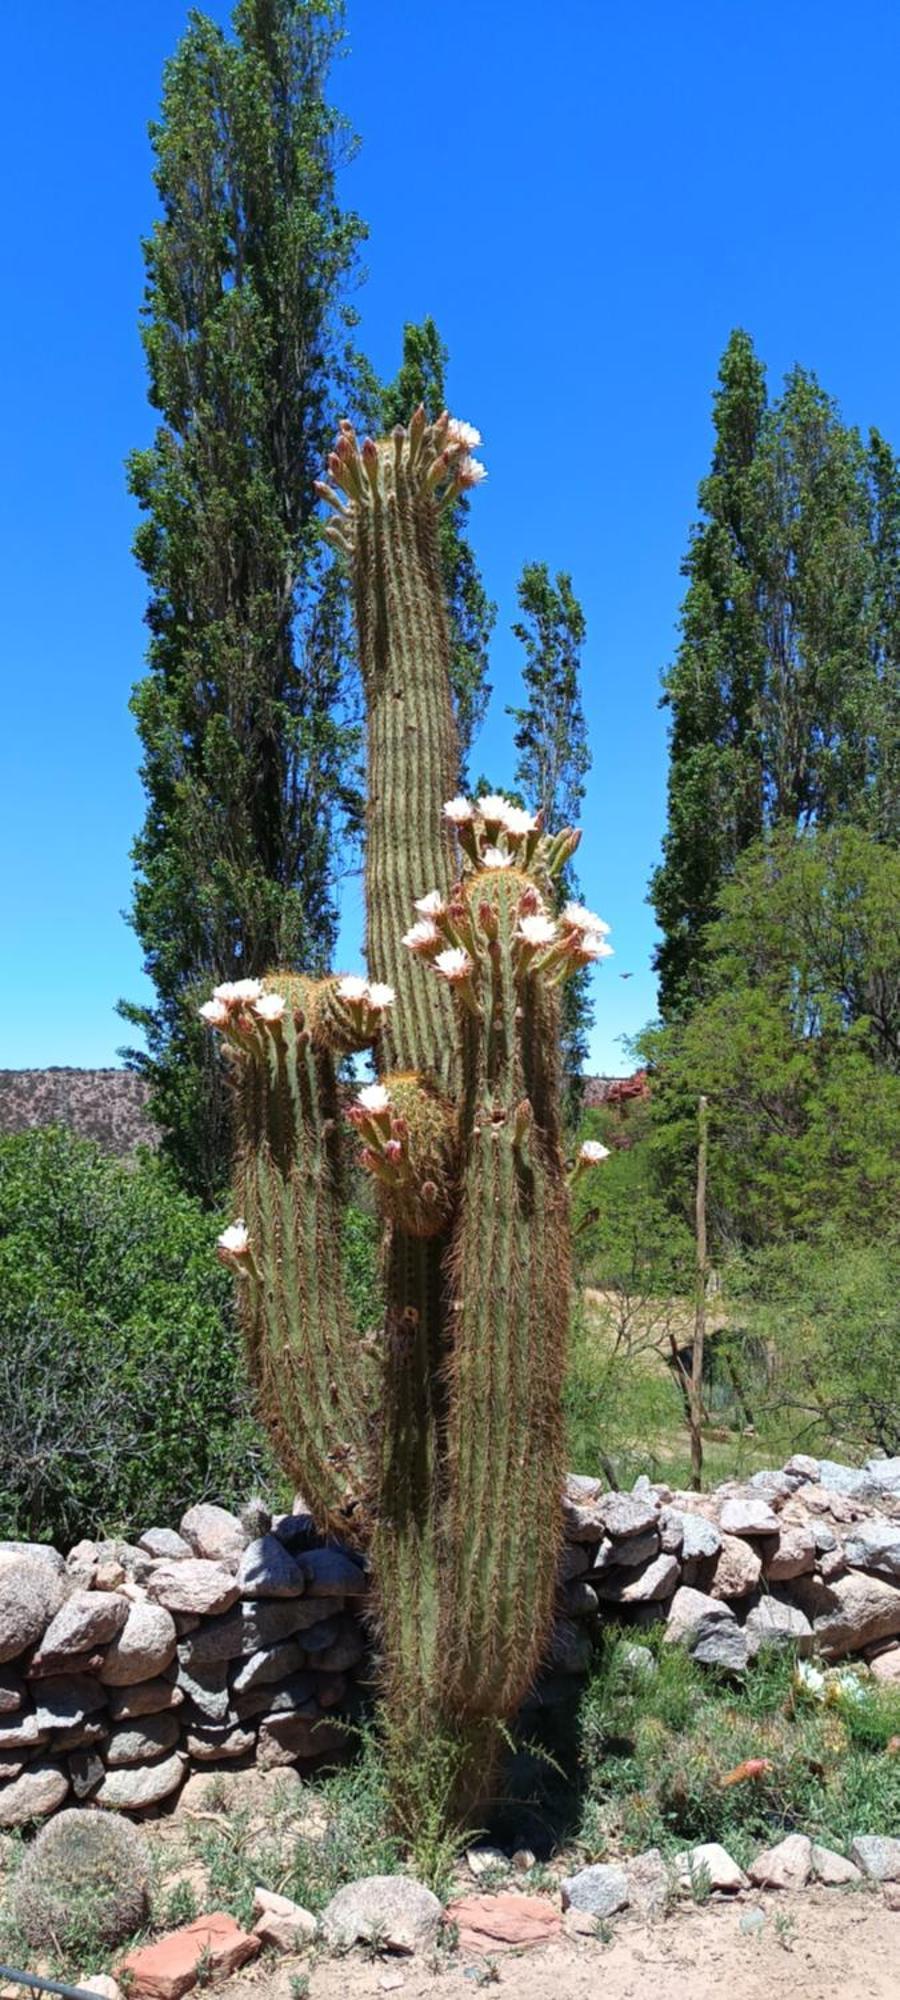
column 422, row 378
column 553, row 758
column 248, row 748
column 783, row 694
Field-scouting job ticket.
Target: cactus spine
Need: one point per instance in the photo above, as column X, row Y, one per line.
column 441, row 1457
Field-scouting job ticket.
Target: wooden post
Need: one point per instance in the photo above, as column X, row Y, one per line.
column 696, row 1388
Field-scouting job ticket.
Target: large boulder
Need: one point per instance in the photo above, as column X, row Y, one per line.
column 849, row 1612
column 193, row 1584
column 143, row 1648
column 215, row 1533
column 32, row 1591
column 88, row 1619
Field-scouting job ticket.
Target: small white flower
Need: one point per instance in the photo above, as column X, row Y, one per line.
column 470, row 472
column 590, row 1152
column 422, row 937
column 235, row 1240
column 810, row 1679
column 459, row 811
column 454, row 965
column 353, row 988
column 536, row 930
column 518, row 822
column 381, row 996
column 374, row 1098
column 576, row 918
column 494, row 809
column 432, row 905
column 494, row 857
column 270, row 1007
column 460, row 433
column 214, row 1013
column 246, row 991
column 590, row 947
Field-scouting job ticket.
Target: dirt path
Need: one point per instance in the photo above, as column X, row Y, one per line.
column 828, row 1944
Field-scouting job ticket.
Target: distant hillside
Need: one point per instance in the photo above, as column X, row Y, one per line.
column 106, row 1105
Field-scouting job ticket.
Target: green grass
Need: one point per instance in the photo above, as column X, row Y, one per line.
column 655, row 1747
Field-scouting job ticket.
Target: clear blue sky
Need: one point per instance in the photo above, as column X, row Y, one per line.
column 587, row 197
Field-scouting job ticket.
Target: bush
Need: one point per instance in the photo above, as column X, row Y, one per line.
column 121, row 1379
column 84, row 1881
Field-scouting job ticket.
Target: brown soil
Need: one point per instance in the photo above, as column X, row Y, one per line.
column 832, row 1943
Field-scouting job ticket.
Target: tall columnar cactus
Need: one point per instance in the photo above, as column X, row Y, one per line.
column 439, row 1453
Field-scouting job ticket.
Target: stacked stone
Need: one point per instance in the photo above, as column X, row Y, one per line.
column 126, row 1665
column 809, row 1554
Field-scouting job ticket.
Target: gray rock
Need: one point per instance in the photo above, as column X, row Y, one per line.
column 331, row 1573
column 214, row 1533
column 874, row 1544
column 22, row 1732
column 824, row 1538
column 284, row 1738
column 65, row 1701
column 87, row 1772
column 580, row 1599
column 348, row 1646
column 32, row 1591
column 297, row 1531
column 41, row 1551
column 850, row 1611
column 581, row 1487
column 193, row 1584
column 266, row 1569
column 657, row 1581
column 282, row 1699
column 272, row 1663
column 724, row 1646
column 320, row 1638
column 700, row 1538
column 142, row 1742
column 144, row 1647
column 804, row 1468
column 648, row 1884
column 90, row 1735
column 832, row 1869
column 780, row 1484
column 600, row 1890
column 847, row 1479
column 747, row 1514
column 738, row 1569
column 10, row 1766
column 634, row 1553
column 776, row 1620
column 390, row 1910
column 786, row 1866
column 134, row 1786
column 697, row 1621
column 627, row 1514
column 795, row 1554
column 150, row 1697
column 255, row 1626
column 878, row 1856
column 671, row 1531
column 213, row 1746
column 12, row 1692
column 207, row 1688
column 884, row 1473
column 583, row 1521
column 573, row 1562
column 637, row 1661
column 40, row 1790
column 164, row 1543
column 710, row 1863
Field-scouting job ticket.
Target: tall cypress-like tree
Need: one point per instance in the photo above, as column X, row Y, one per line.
column 783, row 694
column 422, row 379
column 553, row 758
column 246, row 739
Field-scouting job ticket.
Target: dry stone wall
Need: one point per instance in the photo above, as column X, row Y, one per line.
column 123, row 1666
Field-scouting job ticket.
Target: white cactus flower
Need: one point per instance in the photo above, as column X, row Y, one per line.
column 380, row 996
column 590, row 1152
column 460, row 433
column 432, row 905
column 235, row 1240
column 518, row 822
column 494, row 857
column 470, row 472
column 454, row 965
column 246, row 991
column 270, row 1008
column 374, row 1099
column 459, row 811
column 423, row 936
column 576, row 918
column 494, row 808
column 214, row 1013
column 353, row 988
column 590, row 947
column 537, row 930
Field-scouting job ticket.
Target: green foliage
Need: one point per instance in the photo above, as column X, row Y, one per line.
column 656, row 1743
column 249, row 754
column 121, row 1376
column 554, row 759
column 785, row 692
column 795, row 1044
column 422, row 378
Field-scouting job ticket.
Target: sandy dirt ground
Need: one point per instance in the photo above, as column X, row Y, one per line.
column 830, row 1945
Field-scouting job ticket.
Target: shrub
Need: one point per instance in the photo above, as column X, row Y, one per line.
column 85, row 1879
column 121, row 1377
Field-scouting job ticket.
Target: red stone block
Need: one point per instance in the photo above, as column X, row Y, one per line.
column 165, row 1970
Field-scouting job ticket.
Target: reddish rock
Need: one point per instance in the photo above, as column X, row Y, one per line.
column 165, row 1970
column 499, row 1923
